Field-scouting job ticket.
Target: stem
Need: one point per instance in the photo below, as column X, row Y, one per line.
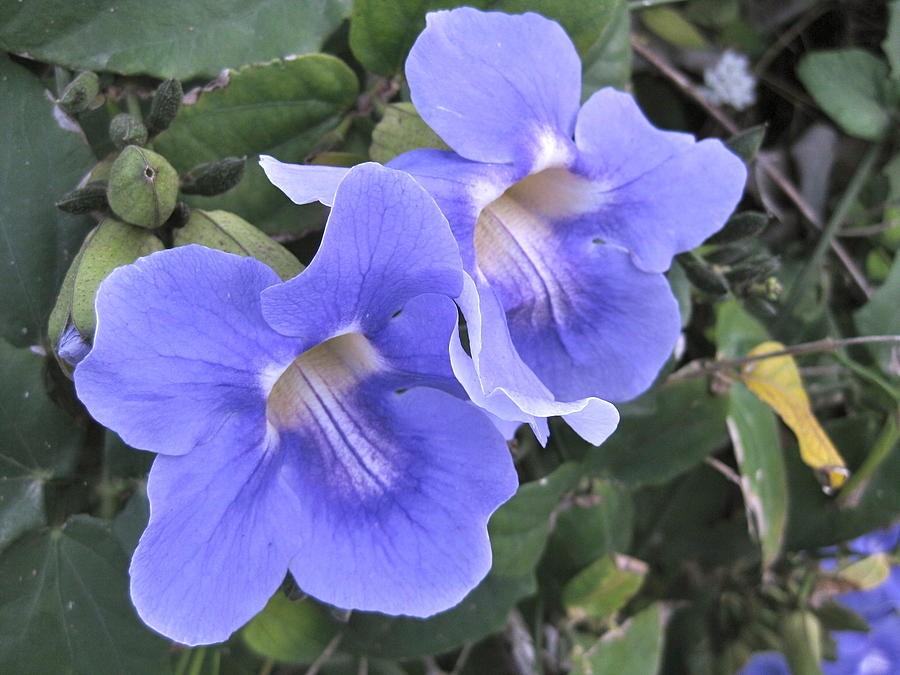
column 860, row 178
column 643, row 4
column 869, row 375
column 134, row 106
column 772, row 171
column 887, row 441
column 61, row 78
column 266, row 668
column 330, row 648
column 828, row 344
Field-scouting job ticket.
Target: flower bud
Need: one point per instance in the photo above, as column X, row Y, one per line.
column 165, row 106
column 230, row 233
column 740, row 226
column 755, row 267
column 80, row 92
column 89, row 198
column 213, row 178
column 125, row 129
column 143, row 187
column 701, row 275
column 111, row 244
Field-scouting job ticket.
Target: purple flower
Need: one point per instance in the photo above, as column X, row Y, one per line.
column 566, row 215
column 766, row 663
column 340, row 452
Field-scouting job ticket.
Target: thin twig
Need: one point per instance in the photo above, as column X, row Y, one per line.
column 325, row 655
column 725, row 470
column 866, row 230
column 828, row 344
column 773, row 172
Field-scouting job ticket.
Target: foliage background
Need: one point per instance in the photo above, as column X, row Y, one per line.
column 662, row 551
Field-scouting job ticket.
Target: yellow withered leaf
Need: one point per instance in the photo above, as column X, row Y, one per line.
column 776, row 382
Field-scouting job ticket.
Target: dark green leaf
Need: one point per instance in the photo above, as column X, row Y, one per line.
column 296, row 632
column 40, row 162
column 401, row 129
column 40, row 442
column 169, row 38
column 849, row 85
column 130, row 523
column 891, row 44
column 381, row 33
column 746, row 143
column 662, row 434
column 607, row 62
column 635, row 648
column 757, row 447
column 282, row 108
column 64, row 606
column 880, row 316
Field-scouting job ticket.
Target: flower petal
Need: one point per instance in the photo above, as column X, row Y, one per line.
column 500, row 381
column 497, row 88
column 460, row 187
column 222, row 530
column 657, row 193
column 303, row 183
column 180, row 347
column 386, row 242
column 396, row 491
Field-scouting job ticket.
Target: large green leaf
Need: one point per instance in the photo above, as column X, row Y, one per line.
column 607, row 63
column 891, row 44
column 635, row 648
column 850, row 85
column 281, row 108
column 296, row 632
column 381, row 33
column 64, row 606
column 39, row 442
column 880, row 316
column 757, row 447
column 662, row 434
column 518, row 533
column 40, row 162
column 166, row 38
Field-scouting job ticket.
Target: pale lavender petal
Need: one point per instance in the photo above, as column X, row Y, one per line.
column 396, row 491
column 497, row 88
column 655, row 193
column 223, row 526
column 181, row 347
column 303, row 183
column 386, row 242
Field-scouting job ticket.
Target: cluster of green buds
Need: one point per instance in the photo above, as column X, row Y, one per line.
column 135, row 196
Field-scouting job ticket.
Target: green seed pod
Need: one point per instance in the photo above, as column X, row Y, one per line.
column 740, row 226
column 111, row 244
column 227, row 232
column 80, row 92
column 701, row 275
column 165, row 106
column 89, row 198
column 802, row 640
column 213, row 178
column 143, row 187
column 125, row 129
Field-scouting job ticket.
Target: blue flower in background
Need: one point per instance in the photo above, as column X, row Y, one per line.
column 766, row 663
column 338, row 448
column 566, row 215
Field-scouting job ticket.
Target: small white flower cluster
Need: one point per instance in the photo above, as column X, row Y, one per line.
column 729, row 81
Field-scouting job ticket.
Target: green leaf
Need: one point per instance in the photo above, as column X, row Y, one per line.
column 663, row 433
column 607, row 62
column 281, row 108
column 295, row 632
column 879, row 316
column 401, row 129
column 635, row 648
column 130, row 522
column 595, row 525
column 603, row 588
column 169, row 38
column 891, row 44
column 40, row 442
column 381, row 33
column 64, row 606
column 519, row 528
column 672, row 27
column 736, row 331
column 849, row 85
column 802, row 641
column 40, row 162
column 757, row 447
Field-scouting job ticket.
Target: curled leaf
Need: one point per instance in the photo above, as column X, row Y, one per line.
column 776, row 382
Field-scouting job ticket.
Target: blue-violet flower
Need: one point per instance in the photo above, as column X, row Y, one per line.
column 566, row 215
column 343, row 452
